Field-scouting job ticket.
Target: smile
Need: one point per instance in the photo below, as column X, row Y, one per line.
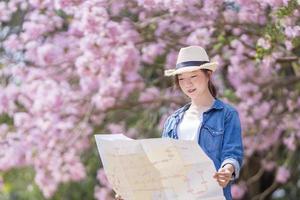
column 191, row 90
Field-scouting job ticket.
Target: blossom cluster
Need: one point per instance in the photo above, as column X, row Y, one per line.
column 67, row 63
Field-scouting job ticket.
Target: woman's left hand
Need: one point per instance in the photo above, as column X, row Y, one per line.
column 224, row 174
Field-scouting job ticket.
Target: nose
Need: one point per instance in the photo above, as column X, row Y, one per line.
column 188, row 82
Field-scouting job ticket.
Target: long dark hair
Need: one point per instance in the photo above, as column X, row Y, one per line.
column 211, row 87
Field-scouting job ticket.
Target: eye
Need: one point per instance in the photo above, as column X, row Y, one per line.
column 194, row 76
column 180, row 79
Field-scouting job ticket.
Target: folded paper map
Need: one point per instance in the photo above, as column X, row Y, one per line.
column 157, row 169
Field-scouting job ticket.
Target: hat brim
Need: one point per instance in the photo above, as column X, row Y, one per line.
column 210, row 66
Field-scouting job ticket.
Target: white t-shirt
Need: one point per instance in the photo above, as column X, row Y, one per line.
column 188, row 128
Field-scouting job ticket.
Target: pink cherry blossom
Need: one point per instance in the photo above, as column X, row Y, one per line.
column 290, row 142
column 282, row 175
column 149, row 94
column 102, row 193
column 268, row 165
column 67, row 66
column 292, row 32
column 263, row 43
column 48, row 54
column 116, row 128
column 103, row 178
column 151, row 51
column 238, row 191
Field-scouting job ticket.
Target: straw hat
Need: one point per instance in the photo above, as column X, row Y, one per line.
column 190, row 59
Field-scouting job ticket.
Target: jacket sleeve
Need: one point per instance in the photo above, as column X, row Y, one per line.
column 232, row 150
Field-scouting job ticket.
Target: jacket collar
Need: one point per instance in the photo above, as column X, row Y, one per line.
column 217, row 105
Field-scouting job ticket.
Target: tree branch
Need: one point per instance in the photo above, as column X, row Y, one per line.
column 267, row 192
column 284, row 81
column 255, row 178
column 130, row 105
column 287, row 59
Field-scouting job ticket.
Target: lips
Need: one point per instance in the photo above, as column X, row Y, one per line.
column 191, row 90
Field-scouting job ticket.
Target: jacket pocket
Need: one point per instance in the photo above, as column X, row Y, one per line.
column 211, row 138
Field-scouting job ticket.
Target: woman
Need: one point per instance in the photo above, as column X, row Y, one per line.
column 213, row 124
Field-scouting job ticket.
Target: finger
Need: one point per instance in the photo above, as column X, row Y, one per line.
column 224, row 171
column 223, row 177
column 224, row 174
column 222, row 184
column 219, row 181
column 227, row 179
column 118, row 197
column 215, row 175
column 222, row 180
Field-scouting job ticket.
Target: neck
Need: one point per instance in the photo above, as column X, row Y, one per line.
column 203, row 101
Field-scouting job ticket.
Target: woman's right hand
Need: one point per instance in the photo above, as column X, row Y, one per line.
column 118, row 197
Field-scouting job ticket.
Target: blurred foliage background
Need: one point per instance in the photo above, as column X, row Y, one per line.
column 97, row 67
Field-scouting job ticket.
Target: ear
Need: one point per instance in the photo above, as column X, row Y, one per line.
column 209, row 73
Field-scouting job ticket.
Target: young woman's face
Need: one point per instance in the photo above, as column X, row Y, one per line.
column 194, row 84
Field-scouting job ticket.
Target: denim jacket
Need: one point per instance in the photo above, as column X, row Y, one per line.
column 219, row 137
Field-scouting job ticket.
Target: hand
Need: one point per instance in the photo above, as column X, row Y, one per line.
column 224, row 174
column 118, row 197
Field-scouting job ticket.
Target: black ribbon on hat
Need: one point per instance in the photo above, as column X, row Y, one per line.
column 190, row 63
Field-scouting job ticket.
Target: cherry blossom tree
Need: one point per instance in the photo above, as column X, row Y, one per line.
column 70, row 69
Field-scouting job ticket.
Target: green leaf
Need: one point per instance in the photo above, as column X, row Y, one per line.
column 287, row 10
